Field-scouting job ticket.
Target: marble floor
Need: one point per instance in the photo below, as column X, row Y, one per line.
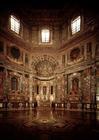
column 46, row 124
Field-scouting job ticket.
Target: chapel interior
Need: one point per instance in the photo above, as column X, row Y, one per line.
column 49, row 70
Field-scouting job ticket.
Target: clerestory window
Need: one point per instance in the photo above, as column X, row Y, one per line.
column 14, row 24
column 45, row 36
column 76, row 25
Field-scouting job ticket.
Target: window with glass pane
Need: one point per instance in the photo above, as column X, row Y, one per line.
column 75, row 25
column 45, row 36
column 15, row 24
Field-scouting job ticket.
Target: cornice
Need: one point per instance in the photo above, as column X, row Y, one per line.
column 16, row 67
column 77, row 39
column 79, row 66
column 15, row 39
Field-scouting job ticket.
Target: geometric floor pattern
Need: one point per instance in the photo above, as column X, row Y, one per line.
column 46, row 124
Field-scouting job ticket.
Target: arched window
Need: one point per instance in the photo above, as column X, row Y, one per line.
column 14, row 83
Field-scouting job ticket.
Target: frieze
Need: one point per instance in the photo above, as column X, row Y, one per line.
column 16, row 67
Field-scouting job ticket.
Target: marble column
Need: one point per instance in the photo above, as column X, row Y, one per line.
column 30, row 90
column 93, row 86
column 65, row 84
column 93, row 50
column 66, row 59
